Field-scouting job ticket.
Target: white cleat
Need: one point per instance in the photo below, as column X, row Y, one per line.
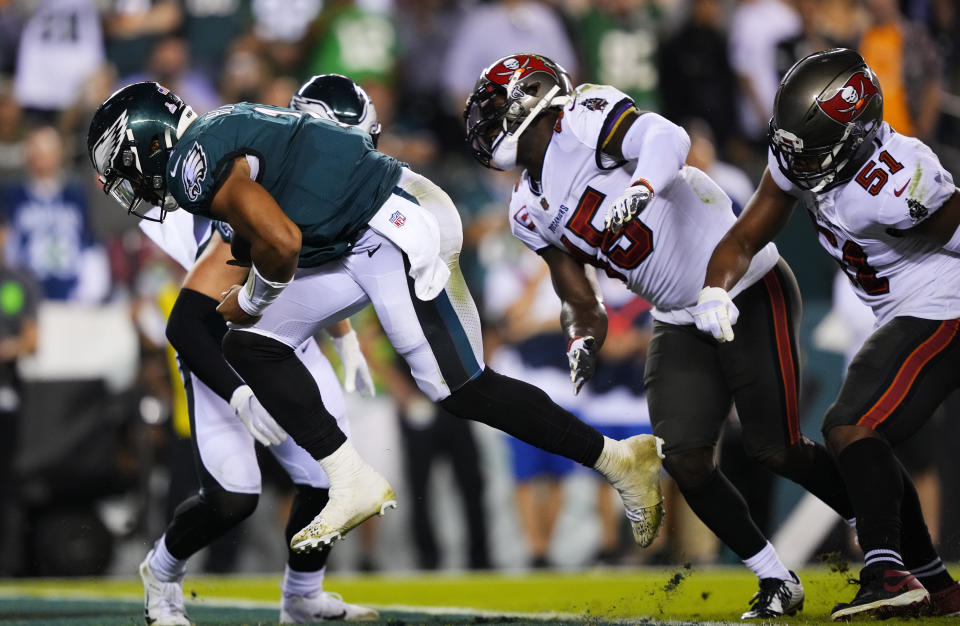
column 368, row 494
column 633, row 468
column 320, row 606
column 776, row 598
column 162, row 601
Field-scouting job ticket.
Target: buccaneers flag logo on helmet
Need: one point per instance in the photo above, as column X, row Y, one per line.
column 521, row 65
column 850, row 100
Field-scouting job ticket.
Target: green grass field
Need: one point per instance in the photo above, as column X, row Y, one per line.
column 649, row 596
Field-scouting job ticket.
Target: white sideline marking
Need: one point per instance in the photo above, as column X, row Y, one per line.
column 80, row 595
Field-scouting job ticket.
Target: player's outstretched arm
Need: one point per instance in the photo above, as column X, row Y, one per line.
column 274, row 243
column 583, row 317
column 764, row 216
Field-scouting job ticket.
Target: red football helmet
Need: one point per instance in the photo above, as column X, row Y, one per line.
column 508, row 97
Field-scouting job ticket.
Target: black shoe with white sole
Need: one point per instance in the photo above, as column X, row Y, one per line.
column 884, row 593
column 776, row 597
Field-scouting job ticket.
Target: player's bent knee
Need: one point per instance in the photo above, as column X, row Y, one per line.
column 231, row 507
column 690, row 468
column 788, row 462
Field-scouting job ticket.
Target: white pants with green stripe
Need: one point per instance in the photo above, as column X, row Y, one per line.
column 439, row 339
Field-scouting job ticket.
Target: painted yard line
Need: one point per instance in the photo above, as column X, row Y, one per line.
column 77, row 595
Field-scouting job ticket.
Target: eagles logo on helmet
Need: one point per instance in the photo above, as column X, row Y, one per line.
column 130, row 139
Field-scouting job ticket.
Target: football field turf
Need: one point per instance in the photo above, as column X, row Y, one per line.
column 650, row 596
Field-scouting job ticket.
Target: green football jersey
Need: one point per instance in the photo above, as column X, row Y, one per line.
column 327, row 178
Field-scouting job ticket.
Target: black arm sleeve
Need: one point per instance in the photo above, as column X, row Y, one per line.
column 195, row 330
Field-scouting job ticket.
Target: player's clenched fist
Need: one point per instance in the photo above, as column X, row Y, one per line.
column 626, row 206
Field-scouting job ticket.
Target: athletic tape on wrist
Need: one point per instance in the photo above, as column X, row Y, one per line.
column 258, row 292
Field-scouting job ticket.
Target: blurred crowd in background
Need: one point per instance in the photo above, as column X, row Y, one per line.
column 94, row 438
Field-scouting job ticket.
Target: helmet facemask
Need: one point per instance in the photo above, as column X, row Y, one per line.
column 509, row 96
column 131, row 155
column 828, row 109
column 818, row 168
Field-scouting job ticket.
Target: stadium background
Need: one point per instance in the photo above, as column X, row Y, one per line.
column 97, row 450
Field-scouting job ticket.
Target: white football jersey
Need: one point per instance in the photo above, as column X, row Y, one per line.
column 180, row 235
column 860, row 224
column 662, row 253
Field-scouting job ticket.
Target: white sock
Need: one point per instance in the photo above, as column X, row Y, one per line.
column 343, row 464
column 165, row 566
column 767, row 564
column 302, row 583
column 607, row 461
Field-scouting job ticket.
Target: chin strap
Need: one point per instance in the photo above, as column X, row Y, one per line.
column 186, row 118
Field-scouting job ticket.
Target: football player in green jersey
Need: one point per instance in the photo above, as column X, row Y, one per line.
column 334, row 225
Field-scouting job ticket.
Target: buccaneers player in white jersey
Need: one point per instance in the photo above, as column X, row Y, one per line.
column 888, row 212
column 606, row 185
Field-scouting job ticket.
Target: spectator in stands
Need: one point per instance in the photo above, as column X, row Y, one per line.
column 49, row 226
column 11, row 23
column 489, row 30
column 244, row 75
column 756, row 26
column 210, row 27
column 133, row 28
column 60, row 48
column 518, row 294
column 618, row 45
column 909, row 67
column 425, row 29
column 281, row 28
column 18, row 337
column 359, row 43
column 811, row 38
column 695, row 58
column 12, row 133
column 169, row 64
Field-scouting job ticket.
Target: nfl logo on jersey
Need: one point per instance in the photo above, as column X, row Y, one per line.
column 398, row 219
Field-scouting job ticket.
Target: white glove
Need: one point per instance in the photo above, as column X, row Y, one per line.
column 429, row 278
column 626, row 206
column 716, row 313
column 582, row 360
column 263, row 427
column 354, row 365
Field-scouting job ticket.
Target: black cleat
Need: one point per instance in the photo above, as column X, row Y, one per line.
column 884, row 593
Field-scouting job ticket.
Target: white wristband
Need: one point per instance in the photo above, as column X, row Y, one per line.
column 259, row 292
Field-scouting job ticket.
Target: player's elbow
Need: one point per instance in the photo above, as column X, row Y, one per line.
column 281, row 249
column 288, row 246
